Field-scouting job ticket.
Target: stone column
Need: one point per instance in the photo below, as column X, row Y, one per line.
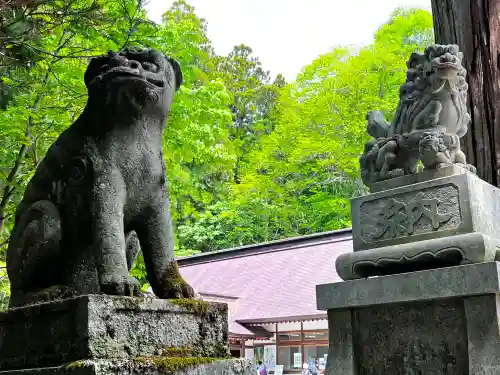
column 440, row 321
column 421, row 286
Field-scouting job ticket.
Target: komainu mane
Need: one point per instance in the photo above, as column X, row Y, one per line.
column 429, row 121
column 101, row 190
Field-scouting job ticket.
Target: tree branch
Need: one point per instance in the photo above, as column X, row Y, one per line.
column 9, row 189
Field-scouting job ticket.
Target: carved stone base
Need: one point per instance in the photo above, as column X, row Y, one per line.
column 424, row 175
column 442, row 321
column 446, row 221
column 436, row 253
column 99, row 327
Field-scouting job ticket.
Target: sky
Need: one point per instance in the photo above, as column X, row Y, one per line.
column 288, row 34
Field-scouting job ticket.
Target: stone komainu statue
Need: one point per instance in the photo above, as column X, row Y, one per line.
column 429, row 121
column 101, row 190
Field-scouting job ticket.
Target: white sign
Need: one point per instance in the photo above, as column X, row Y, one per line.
column 270, row 356
column 278, row 370
column 322, row 363
column 297, row 360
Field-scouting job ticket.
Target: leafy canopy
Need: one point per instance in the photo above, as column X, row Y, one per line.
column 248, row 159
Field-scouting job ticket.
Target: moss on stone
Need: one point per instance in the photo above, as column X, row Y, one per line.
column 172, row 283
column 195, row 305
column 76, row 364
column 178, row 352
column 133, row 303
column 172, row 364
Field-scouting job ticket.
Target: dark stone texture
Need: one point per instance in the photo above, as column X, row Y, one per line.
column 482, row 313
column 128, row 367
column 442, row 321
column 452, row 196
column 341, row 348
column 109, row 327
column 460, row 281
column 419, row 338
column 448, row 221
column 101, row 190
column 418, row 256
column 429, row 121
column 422, row 176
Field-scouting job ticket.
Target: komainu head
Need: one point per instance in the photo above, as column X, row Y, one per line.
column 133, row 81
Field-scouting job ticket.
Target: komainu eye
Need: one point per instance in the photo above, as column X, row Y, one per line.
column 150, row 66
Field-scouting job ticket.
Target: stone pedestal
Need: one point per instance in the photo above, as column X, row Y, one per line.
column 428, row 220
column 441, row 321
column 100, row 334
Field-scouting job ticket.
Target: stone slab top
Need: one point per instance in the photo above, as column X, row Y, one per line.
column 425, row 175
column 458, row 281
column 115, row 303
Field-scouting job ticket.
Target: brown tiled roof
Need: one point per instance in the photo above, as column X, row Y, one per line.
column 269, row 282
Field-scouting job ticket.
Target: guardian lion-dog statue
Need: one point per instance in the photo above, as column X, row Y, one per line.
column 101, row 190
column 429, row 121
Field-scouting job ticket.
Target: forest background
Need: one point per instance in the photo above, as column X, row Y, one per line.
column 249, row 159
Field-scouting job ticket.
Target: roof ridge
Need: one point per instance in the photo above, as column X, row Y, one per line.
column 267, row 247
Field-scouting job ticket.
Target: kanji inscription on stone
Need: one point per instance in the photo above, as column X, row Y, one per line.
column 397, row 218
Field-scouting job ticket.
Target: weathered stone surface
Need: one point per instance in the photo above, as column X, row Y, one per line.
column 421, row 176
column 449, row 282
column 106, row 327
column 101, row 191
column 396, row 226
column 416, row 338
column 482, row 314
column 429, row 121
column 422, row 211
column 442, row 321
column 130, row 367
column 439, row 252
column 341, row 354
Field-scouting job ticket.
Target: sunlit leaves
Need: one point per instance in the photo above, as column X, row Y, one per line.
column 4, row 286
column 299, row 178
column 248, row 160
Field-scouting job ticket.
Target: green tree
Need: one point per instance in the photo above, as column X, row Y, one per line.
column 248, row 160
column 200, row 156
column 254, row 97
column 299, row 178
column 46, row 94
column 47, row 45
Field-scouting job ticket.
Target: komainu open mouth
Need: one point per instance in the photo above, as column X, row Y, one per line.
column 128, row 73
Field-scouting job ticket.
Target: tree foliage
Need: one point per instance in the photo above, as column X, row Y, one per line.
column 249, row 159
column 298, row 178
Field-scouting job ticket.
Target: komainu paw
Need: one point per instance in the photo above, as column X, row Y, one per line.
column 173, row 286
column 120, row 285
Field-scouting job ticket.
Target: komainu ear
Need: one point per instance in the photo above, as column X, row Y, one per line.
column 177, row 71
column 93, row 69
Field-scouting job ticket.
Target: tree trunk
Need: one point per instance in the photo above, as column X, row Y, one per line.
column 475, row 26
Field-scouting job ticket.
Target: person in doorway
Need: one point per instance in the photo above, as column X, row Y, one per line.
column 314, row 367
column 305, row 369
column 262, row 369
